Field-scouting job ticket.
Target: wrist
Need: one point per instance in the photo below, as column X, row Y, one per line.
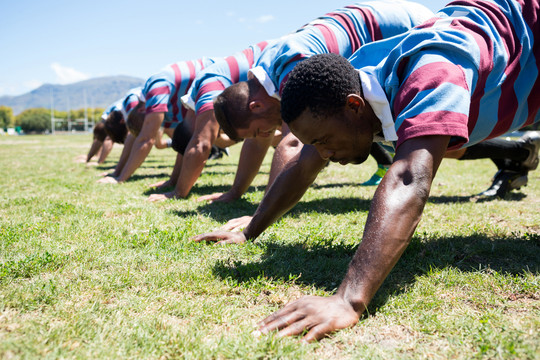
column 357, row 302
column 234, row 194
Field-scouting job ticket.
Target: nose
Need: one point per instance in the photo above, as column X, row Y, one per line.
column 323, row 152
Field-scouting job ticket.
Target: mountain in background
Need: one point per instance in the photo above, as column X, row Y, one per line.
column 100, row 93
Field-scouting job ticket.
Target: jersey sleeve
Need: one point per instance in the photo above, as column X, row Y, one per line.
column 206, row 91
column 157, row 93
column 433, row 98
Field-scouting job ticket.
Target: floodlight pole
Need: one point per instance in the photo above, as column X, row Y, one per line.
column 52, row 113
column 69, row 115
column 85, row 112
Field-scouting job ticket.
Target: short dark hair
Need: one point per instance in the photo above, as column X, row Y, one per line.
column 135, row 119
column 115, row 126
column 320, row 84
column 99, row 131
column 231, row 108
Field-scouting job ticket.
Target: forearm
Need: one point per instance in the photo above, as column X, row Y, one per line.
column 139, row 152
column 192, row 166
column 94, row 148
column 124, row 156
column 395, row 212
column 142, row 144
column 105, row 150
column 286, row 191
column 251, row 159
column 287, row 150
column 176, row 169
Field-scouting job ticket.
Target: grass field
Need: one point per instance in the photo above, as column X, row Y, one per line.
column 96, row 271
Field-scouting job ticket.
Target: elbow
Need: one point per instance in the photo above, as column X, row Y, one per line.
column 203, row 148
column 147, row 144
column 161, row 145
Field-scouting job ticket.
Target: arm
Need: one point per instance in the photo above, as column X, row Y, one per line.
column 286, row 150
column 195, row 156
column 160, row 143
column 142, row 145
column 124, row 156
column 286, row 191
column 174, row 175
column 94, row 148
column 251, row 158
column 105, row 150
column 395, row 212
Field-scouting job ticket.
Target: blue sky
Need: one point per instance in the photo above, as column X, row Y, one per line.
column 60, row 42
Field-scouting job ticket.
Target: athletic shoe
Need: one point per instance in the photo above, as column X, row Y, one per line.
column 217, row 153
column 377, row 177
column 504, row 181
column 531, row 142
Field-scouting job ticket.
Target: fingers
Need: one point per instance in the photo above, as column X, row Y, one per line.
column 296, row 328
column 207, row 237
column 237, row 224
column 318, row 332
column 289, row 324
column 210, row 197
column 266, row 324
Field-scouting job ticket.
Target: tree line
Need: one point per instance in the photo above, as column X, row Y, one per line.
column 38, row 120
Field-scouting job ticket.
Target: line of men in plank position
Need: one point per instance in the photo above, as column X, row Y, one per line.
column 388, row 71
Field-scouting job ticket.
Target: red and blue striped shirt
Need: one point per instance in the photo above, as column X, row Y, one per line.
column 222, row 74
column 125, row 104
column 163, row 90
column 342, row 31
column 470, row 73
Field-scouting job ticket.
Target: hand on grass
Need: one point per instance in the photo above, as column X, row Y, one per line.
column 218, row 197
column 319, row 316
column 80, row 159
column 221, row 237
column 161, row 197
column 105, row 173
column 108, row 180
column 237, row 224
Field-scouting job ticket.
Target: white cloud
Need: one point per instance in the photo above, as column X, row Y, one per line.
column 199, row 22
column 32, row 84
column 66, row 75
column 242, row 20
column 264, row 19
column 230, row 13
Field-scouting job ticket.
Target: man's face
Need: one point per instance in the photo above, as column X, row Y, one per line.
column 263, row 125
column 343, row 137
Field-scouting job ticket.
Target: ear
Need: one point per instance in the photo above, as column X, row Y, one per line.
column 256, row 106
column 355, row 102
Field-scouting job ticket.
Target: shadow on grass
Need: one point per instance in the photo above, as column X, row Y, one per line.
column 106, row 167
column 222, row 212
column 150, row 166
column 513, row 196
column 336, row 185
column 164, row 190
column 137, row 177
column 323, row 265
column 226, row 211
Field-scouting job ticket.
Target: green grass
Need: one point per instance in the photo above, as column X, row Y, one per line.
column 96, row 271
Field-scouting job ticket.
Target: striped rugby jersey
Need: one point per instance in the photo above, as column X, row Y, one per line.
column 125, row 104
column 222, row 74
column 470, row 73
column 342, row 31
column 163, row 90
